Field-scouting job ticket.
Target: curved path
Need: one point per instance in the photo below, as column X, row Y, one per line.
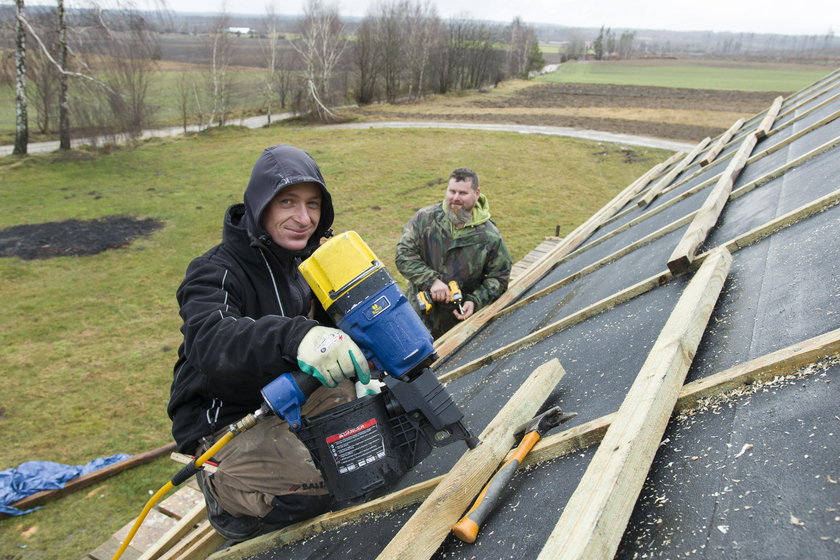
column 258, row 122
column 594, row 135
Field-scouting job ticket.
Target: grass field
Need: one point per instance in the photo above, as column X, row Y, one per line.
column 88, row 343
column 679, row 74
column 247, row 87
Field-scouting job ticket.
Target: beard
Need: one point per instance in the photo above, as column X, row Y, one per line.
column 457, row 215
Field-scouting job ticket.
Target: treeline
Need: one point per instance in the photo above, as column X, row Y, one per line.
column 89, row 70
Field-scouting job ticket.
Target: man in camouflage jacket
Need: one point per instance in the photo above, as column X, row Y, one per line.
column 454, row 240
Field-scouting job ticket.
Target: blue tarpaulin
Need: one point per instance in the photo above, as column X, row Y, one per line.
column 34, row 476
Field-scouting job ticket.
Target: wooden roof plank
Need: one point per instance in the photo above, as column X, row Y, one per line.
column 177, row 532
column 767, row 123
column 705, row 218
column 656, row 189
column 596, row 515
column 764, row 368
column 721, row 142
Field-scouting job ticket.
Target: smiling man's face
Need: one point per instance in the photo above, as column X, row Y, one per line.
column 292, row 216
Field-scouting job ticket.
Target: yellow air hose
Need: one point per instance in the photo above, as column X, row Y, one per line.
column 185, row 473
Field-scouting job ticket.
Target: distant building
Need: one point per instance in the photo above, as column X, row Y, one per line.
column 239, row 30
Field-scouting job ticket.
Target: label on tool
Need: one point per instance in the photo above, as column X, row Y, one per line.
column 377, row 307
column 356, row 447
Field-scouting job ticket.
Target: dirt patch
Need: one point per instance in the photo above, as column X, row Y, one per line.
column 540, row 96
column 609, row 95
column 73, row 238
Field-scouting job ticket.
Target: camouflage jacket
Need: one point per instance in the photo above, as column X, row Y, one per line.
column 475, row 256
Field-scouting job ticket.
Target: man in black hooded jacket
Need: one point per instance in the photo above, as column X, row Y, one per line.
column 248, row 317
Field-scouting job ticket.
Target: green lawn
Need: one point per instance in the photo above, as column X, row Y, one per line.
column 88, row 343
column 752, row 77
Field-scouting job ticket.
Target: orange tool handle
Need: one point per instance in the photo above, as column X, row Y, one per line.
column 467, row 528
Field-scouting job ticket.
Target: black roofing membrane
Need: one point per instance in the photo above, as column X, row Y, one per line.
column 641, row 264
column 755, row 476
column 601, row 356
column 808, row 105
column 781, row 290
column 795, row 189
column 752, row 474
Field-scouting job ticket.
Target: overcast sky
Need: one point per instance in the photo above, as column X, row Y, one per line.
column 793, row 17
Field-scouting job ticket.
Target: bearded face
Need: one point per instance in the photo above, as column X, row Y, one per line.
column 460, row 200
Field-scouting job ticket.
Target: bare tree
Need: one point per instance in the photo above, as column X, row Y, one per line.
column 367, row 61
column 278, row 72
column 423, row 29
column 320, row 46
column 63, row 86
column 43, row 75
column 524, row 54
column 270, row 53
column 127, row 48
column 21, row 118
column 390, row 22
column 120, row 55
column 625, row 44
column 219, row 84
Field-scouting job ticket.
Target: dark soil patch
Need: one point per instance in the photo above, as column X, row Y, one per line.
column 643, row 97
column 73, row 238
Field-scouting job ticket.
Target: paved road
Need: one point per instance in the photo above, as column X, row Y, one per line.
column 44, row 147
column 258, row 122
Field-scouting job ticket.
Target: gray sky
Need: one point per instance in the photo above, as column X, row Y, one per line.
column 792, row 17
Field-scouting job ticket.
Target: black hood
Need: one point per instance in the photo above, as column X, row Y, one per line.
column 277, row 168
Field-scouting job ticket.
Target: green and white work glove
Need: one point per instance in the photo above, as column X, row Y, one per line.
column 374, row 387
column 330, row 356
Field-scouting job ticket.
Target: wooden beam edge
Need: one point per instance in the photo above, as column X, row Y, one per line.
column 706, row 217
column 84, row 481
column 721, row 143
column 596, row 515
column 767, row 122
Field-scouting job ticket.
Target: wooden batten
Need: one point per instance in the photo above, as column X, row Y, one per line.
column 672, row 174
column 705, row 218
column 594, row 519
column 767, row 123
column 721, row 143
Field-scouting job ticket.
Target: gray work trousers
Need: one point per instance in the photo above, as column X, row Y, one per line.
column 269, row 460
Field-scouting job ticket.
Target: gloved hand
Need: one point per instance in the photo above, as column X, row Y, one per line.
column 331, row 356
column 372, row 388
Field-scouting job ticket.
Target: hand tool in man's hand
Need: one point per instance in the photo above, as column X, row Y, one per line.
column 467, row 528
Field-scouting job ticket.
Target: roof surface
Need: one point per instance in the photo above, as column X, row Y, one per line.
column 749, row 464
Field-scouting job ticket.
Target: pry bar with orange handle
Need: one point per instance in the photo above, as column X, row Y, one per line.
column 467, row 528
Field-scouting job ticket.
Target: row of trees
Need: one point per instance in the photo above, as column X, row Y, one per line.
column 401, row 49
column 108, row 58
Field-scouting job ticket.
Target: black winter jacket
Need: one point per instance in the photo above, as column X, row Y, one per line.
column 245, row 307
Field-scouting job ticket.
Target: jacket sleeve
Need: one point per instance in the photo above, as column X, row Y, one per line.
column 495, row 278
column 237, row 354
column 409, row 258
